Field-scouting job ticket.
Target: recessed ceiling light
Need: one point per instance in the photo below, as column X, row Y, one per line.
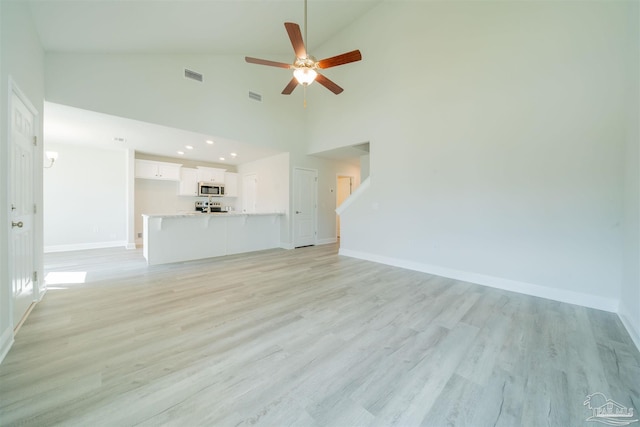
column 189, row 147
column 222, row 158
column 234, row 154
column 181, row 152
column 210, row 142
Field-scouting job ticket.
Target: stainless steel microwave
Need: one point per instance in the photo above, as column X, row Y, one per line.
column 210, row 189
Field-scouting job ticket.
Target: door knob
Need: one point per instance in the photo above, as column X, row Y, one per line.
column 298, row 212
column 18, row 224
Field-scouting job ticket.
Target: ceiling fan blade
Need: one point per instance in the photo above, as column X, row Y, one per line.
column 295, row 36
column 290, row 87
column 345, row 58
column 328, row 84
column 266, row 62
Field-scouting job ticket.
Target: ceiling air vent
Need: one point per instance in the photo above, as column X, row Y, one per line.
column 255, row 96
column 189, row 74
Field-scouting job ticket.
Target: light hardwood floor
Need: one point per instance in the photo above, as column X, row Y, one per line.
column 305, row 338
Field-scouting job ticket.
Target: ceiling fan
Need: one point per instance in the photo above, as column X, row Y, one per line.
column 305, row 66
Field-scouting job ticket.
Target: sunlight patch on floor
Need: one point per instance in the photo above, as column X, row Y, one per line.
column 65, row 278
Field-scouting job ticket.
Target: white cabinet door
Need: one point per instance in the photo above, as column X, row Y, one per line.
column 231, row 184
column 169, row 171
column 149, row 169
column 188, row 182
column 211, row 175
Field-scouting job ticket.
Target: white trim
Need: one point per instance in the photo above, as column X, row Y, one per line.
column 84, row 246
column 130, row 162
column 41, row 290
column 571, row 297
column 285, row 245
column 6, row 341
column 13, row 87
column 326, row 241
column 627, row 322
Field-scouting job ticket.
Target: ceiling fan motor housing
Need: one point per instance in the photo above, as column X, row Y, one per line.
column 308, row 62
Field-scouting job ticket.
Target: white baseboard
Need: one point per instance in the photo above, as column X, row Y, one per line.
column 571, row 297
column 629, row 325
column 326, row 241
column 6, row 341
column 84, row 246
column 130, row 246
column 41, row 291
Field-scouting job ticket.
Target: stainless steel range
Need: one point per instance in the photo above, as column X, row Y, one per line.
column 208, row 207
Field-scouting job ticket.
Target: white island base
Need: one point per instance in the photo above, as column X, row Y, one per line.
column 175, row 238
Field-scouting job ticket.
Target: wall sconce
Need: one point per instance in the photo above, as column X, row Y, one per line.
column 52, row 156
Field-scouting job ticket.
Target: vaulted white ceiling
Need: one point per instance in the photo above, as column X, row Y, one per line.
column 242, row 27
column 247, row 27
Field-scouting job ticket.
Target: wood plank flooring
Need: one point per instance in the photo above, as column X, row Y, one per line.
column 303, row 338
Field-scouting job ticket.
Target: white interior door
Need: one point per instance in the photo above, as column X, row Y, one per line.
column 22, row 261
column 304, row 207
column 249, row 191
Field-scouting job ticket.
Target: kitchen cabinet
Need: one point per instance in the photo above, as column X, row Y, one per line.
column 231, row 184
column 211, row 174
column 150, row 169
column 188, row 182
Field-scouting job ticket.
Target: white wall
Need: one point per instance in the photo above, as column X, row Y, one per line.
column 499, row 146
column 155, row 197
column 152, row 88
column 273, row 182
column 364, row 166
column 85, row 198
column 630, row 292
column 272, row 187
column 22, row 58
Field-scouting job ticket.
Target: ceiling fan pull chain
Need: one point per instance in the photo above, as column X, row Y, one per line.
column 304, row 88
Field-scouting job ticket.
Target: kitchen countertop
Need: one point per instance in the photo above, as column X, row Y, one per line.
column 201, row 214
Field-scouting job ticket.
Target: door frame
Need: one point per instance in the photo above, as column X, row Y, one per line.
column 294, row 203
column 39, row 287
column 351, row 183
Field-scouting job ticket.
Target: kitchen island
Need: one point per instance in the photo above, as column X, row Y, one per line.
column 184, row 237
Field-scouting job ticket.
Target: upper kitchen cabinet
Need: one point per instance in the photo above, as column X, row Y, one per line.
column 188, row 182
column 231, row 184
column 150, row 169
column 210, row 175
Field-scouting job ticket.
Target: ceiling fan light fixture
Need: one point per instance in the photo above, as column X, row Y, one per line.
column 304, row 75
